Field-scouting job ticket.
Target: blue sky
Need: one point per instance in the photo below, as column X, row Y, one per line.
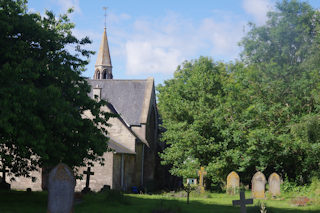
column 151, row 38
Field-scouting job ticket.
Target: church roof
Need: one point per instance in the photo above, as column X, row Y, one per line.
column 118, row 148
column 130, row 98
column 104, row 53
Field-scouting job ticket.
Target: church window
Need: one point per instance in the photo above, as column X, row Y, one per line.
column 98, row 75
column 104, row 74
column 109, row 75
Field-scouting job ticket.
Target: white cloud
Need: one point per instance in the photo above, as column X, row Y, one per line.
column 258, row 9
column 223, row 36
column 159, row 46
column 147, row 57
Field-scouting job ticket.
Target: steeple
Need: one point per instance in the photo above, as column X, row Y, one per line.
column 103, row 67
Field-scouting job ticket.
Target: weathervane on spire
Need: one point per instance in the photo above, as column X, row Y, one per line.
column 105, row 17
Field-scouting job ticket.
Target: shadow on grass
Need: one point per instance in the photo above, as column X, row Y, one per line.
column 158, row 204
column 36, row 202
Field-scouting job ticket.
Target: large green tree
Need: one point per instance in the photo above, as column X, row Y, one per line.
column 260, row 114
column 42, row 94
column 284, row 57
column 187, row 106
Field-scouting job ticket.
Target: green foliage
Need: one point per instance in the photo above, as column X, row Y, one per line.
column 259, row 114
column 43, row 96
column 186, row 104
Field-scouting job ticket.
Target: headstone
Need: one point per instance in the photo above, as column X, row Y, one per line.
column 105, row 188
column 192, row 181
column 274, row 184
column 3, row 184
column 242, row 202
column 61, row 189
column 201, row 174
column 88, row 173
column 258, row 185
column 233, row 182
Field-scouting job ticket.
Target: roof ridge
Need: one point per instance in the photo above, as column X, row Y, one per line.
column 118, row 79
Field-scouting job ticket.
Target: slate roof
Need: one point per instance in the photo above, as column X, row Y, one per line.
column 126, row 96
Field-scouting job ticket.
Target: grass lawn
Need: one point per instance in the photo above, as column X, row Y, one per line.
column 36, row 202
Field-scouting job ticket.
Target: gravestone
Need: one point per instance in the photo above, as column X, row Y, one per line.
column 3, row 184
column 258, row 185
column 242, row 202
column 88, row 173
column 201, row 174
column 192, row 181
column 233, row 182
column 274, row 184
column 61, row 189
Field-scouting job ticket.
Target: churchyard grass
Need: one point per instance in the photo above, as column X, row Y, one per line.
column 34, row 202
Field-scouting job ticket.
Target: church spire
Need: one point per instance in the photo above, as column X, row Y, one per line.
column 103, row 67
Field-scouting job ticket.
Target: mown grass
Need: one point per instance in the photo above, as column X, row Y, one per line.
column 114, row 202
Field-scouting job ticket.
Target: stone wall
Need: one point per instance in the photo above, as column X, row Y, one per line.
column 22, row 183
column 116, row 171
column 138, row 164
column 150, row 152
column 102, row 174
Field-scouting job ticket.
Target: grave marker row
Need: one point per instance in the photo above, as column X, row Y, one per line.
column 258, row 184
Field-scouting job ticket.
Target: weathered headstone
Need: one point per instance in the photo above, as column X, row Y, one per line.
column 258, row 185
column 61, row 189
column 201, row 174
column 233, row 182
column 105, row 188
column 274, row 184
column 88, row 173
column 3, row 184
column 242, row 202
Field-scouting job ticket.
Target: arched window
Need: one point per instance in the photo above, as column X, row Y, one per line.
column 109, row 75
column 104, row 74
column 98, row 75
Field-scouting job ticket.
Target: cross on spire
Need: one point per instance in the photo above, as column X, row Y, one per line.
column 105, row 17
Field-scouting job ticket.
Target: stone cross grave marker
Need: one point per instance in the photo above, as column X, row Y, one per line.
column 88, row 173
column 4, row 171
column 233, row 182
column 188, row 189
column 201, row 174
column 274, row 184
column 258, row 185
column 3, row 184
column 61, row 189
column 242, row 202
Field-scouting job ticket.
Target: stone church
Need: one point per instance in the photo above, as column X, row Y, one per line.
column 133, row 135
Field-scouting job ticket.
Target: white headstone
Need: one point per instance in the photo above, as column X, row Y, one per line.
column 258, row 185
column 61, row 189
column 274, row 184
